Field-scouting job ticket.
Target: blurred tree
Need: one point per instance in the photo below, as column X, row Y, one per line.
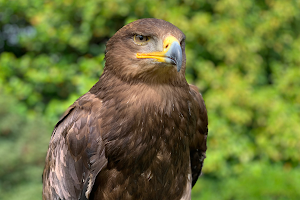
column 22, row 150
column 243, row 56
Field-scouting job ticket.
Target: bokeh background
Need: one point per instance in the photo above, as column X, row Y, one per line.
column 244, row 56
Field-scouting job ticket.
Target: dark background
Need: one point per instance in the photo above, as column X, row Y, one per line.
column 244, row 56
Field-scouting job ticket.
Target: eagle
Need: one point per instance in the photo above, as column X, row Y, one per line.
column 140, row 132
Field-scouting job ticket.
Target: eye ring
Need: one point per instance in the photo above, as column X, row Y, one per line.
column 141, row 39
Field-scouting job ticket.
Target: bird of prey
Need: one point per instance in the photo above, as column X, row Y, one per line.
column 140, row 132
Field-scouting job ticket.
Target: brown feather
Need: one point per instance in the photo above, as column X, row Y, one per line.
column 139, row 133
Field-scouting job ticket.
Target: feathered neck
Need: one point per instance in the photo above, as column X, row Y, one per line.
column 163, row 98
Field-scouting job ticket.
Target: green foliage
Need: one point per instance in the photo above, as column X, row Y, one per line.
column 243, row 56
column 23, row 145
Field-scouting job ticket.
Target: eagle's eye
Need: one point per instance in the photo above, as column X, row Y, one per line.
column 141, row 39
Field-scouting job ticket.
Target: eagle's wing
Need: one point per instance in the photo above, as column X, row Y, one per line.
column 76, row 152
column 198, row 144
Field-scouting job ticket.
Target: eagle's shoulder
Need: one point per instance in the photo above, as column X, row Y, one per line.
column 76, row 151
column 198, row 97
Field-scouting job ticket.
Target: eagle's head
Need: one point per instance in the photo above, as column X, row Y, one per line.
column 147, row 50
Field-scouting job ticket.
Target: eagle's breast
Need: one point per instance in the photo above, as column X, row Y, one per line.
column 147, row 147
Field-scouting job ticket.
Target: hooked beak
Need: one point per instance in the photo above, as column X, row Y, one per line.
column 171, row 53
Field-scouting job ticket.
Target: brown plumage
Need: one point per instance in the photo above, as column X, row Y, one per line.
column 140, row 132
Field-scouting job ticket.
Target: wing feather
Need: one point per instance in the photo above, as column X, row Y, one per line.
column 198, row 144
column 76, row 152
